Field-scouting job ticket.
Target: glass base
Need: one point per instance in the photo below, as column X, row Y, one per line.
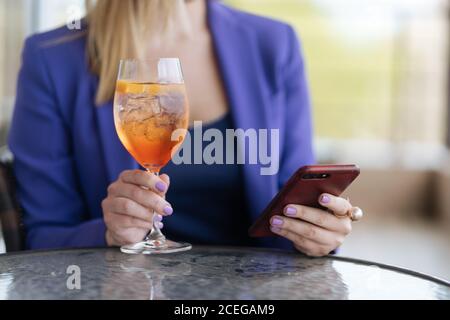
column 156, row 247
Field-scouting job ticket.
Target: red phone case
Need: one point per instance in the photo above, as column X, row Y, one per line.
column 299, row 190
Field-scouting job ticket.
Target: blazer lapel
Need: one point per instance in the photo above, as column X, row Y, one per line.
column 241, row 78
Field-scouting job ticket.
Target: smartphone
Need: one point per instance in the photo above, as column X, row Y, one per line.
column 304, row 188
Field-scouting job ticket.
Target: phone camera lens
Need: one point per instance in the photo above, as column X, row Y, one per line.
column 311, row 176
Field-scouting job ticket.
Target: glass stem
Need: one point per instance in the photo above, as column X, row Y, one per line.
column 155, row 234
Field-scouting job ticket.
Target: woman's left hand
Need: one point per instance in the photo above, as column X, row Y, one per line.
column 315, row 232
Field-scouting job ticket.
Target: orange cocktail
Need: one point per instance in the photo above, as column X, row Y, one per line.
column 148, row 120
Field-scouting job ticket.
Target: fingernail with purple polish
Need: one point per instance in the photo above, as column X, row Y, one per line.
column 275, row 229
column 277, row 222
column 290, row 211
column 168, row 210
column 325, row 199
column 161, row 186
column 160, row 225
column 159, row 217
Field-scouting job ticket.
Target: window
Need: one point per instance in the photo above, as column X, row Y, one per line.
column 378, row 74
column 14, row 25
column 18, row 19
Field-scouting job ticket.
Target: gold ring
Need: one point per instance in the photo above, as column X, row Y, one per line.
column 354, row 213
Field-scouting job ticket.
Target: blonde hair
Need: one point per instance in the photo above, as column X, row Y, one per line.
column 122, row 29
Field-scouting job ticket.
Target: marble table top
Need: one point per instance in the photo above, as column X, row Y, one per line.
column 206, row 273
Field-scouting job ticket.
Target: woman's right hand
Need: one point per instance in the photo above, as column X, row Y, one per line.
column 128, row 208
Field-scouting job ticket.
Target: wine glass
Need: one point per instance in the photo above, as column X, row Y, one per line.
column 151, row 117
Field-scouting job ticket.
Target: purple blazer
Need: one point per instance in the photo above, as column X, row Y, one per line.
column 67, row 151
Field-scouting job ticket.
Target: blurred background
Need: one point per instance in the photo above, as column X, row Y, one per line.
column 379, row 77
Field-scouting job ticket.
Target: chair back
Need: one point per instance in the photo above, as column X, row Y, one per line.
column 10, row 213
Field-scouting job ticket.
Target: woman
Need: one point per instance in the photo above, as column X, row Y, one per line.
column 79, row 187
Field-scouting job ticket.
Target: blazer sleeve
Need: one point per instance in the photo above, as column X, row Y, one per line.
column 298, row 139
column 54, row 212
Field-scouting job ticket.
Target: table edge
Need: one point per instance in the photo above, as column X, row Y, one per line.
column 403, row 270
column 396, row 268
